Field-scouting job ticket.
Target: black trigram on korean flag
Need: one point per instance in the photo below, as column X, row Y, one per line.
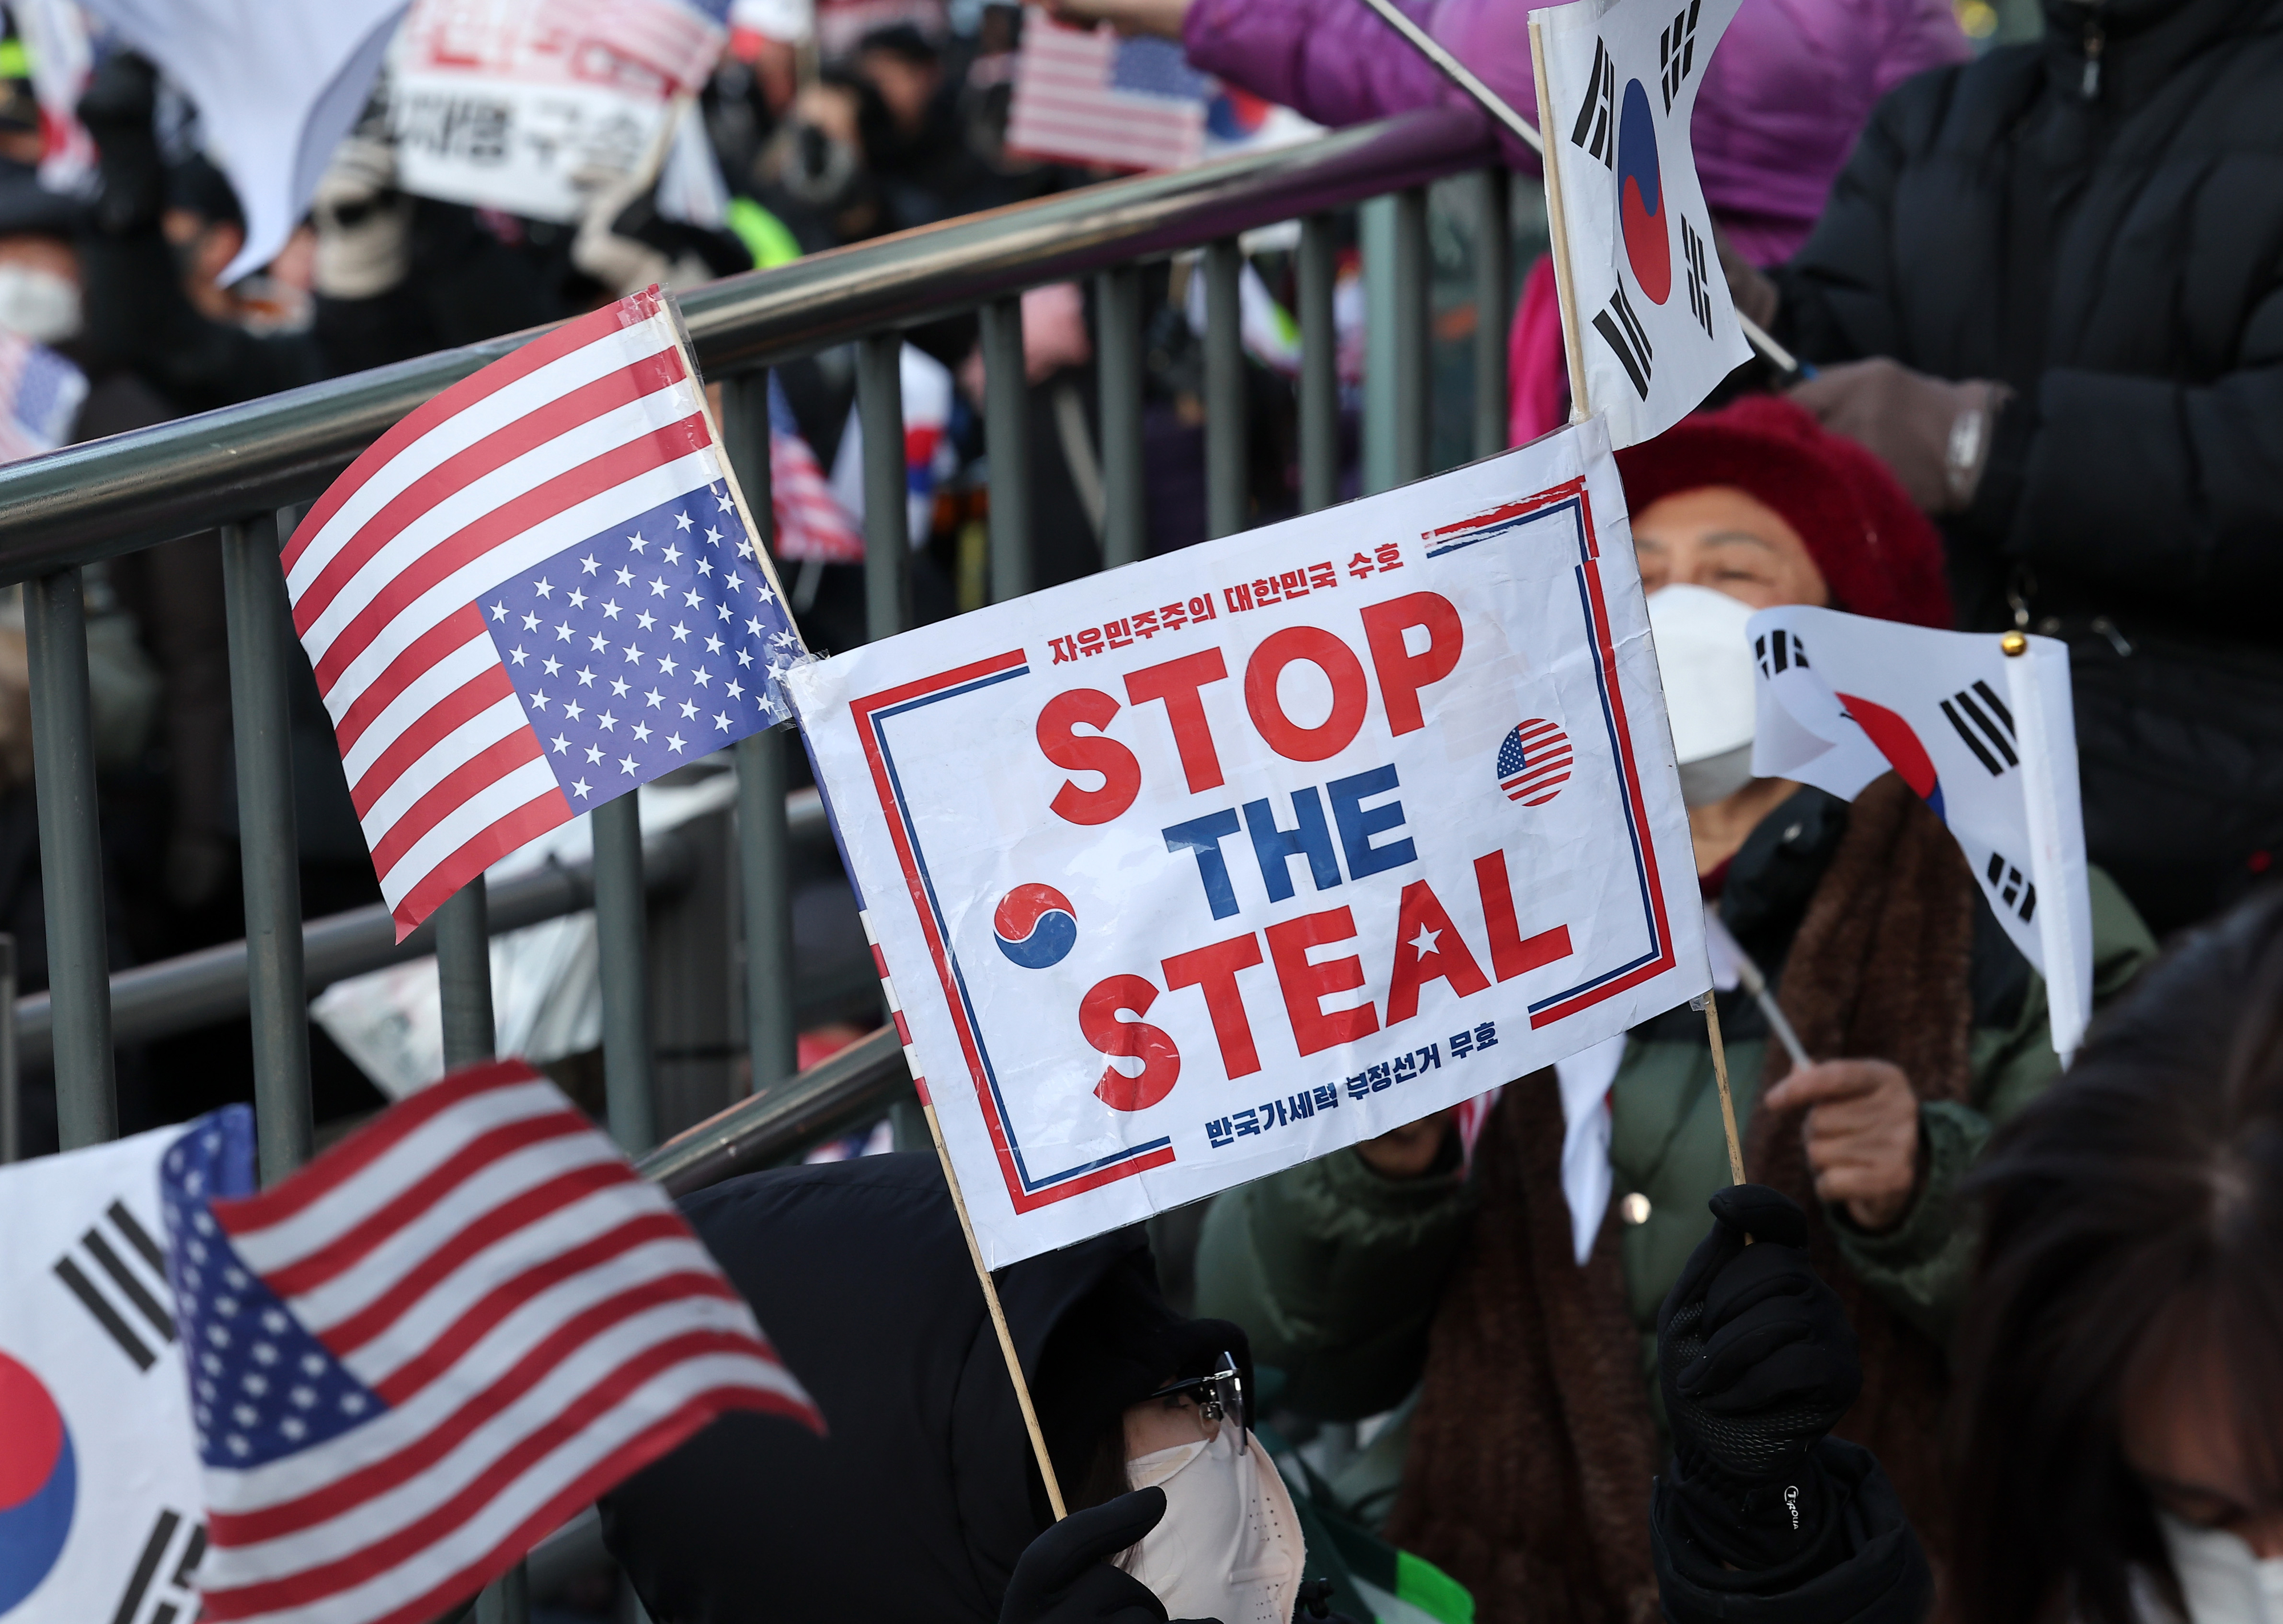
column 1676, row 51
column 118, row 1275
column 1622, row 331
column 2010, row 889
column 1700, row 286
column 1596, row 128
column 1779, row 650
column 1983, row 720
column 163, row 1587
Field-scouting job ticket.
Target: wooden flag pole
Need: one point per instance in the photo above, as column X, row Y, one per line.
column 1557, row 223
column 998, row 1313
column 1573, row 348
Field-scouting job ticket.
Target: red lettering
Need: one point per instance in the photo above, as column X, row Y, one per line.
column 1177, row 682
column 1510, row 955
column 1402, row 673
column 1214, row 970
column 1349, row 692
column 1121, row 774
column 1307, row 986
column 1098, row 1014
column 1428, row 946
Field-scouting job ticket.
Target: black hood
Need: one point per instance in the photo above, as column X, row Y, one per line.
column 918, row 1500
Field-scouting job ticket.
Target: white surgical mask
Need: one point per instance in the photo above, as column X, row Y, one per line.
column 38, row 305
column 1705, row 657
column 1229, row 1547
column 2222, row 1582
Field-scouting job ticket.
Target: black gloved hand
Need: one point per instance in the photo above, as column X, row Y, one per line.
column 1757, row 1362
column 1065, row 1577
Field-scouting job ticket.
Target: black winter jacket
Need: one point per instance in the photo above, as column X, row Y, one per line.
column 2096, row 219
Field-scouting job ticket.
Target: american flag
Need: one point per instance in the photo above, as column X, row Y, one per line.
column 1533, row 764
column 811, row 522
column 40, row 396
column 1093, row 97
column 534, row 593
column 418, row 1356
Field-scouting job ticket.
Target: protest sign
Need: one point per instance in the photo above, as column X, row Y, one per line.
column 1197, row 869
column 1646, row 309
column 1981, row 726
column 526, row 107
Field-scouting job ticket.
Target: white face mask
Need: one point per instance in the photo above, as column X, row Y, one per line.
column 38, row 305
column 2223, row 1581
column 1229, row 1547
column 1705, row 658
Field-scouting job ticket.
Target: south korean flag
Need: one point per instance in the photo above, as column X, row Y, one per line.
column 1652, row 313
column 101, row 1501
column 1981, row 726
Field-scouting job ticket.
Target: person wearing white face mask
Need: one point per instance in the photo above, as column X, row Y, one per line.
column 1515, row 1303
column 39, row 269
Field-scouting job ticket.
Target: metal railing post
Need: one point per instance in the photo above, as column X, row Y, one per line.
column 261, row 726
column 1227, row 462
column 887, row 540
column 463, row 976
column 71, row 859
column 1414, row 422
column 1493, row 290
column 1126, row 510
column 1007, row 442
column 12, row 1117
column 764, row 839
column 626, row 994
column 507, row 1599
column 1319, row 369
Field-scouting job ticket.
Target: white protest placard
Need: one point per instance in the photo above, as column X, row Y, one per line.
column 1653, row 316
column 527, row 105
column 1200, row 868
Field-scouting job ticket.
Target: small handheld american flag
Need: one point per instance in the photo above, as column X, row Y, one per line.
column 40, row 396
column 536, row 591
column 1094, row 98
column 418, row 1356
column 812, row 525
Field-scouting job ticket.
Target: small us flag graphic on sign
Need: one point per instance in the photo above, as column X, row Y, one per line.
column 1533, row 764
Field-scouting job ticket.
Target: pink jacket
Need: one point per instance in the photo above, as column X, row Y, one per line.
column 1786, row 93
column 1784, row 97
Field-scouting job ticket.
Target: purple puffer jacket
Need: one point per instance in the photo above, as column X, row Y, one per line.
column 1786, row 93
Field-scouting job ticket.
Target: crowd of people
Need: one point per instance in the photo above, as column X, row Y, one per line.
column 1981, row 1337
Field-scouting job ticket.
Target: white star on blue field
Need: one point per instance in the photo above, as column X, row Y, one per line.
column 640, row 650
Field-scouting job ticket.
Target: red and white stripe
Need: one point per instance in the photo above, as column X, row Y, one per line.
column 1546, row 759
column 811, row 522
column 671, row 37
column 580, row 430
column 1066, row 108
column 537, row 1316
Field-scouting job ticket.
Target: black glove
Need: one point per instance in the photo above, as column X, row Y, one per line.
column 1065, row 1576
column 1757, row 1362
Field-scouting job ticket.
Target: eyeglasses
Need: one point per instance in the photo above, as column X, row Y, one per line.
column 1218, row 1395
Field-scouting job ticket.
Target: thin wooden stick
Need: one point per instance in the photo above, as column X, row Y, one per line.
column 998, row 1313
column 1720, row 1076
column 1558, row 227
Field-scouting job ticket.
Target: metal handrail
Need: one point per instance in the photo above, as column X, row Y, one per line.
column 198, row 989
column 112, row 496
column 856, row 1085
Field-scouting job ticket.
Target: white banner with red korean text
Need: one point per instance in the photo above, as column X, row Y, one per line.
column 1203, row 868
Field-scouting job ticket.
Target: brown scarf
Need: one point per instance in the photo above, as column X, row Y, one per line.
column 1532, row 1448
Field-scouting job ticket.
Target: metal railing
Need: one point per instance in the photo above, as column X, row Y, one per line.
column 235, row 470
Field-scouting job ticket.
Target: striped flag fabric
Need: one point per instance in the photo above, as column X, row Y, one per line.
column 418, row 1356
column 811, row 522
column 1092, row 97
column 535, row 593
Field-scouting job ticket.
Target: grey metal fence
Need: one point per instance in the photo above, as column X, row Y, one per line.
column 244, row 470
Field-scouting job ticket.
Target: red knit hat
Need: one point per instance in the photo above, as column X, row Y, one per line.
column 1880, row 555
